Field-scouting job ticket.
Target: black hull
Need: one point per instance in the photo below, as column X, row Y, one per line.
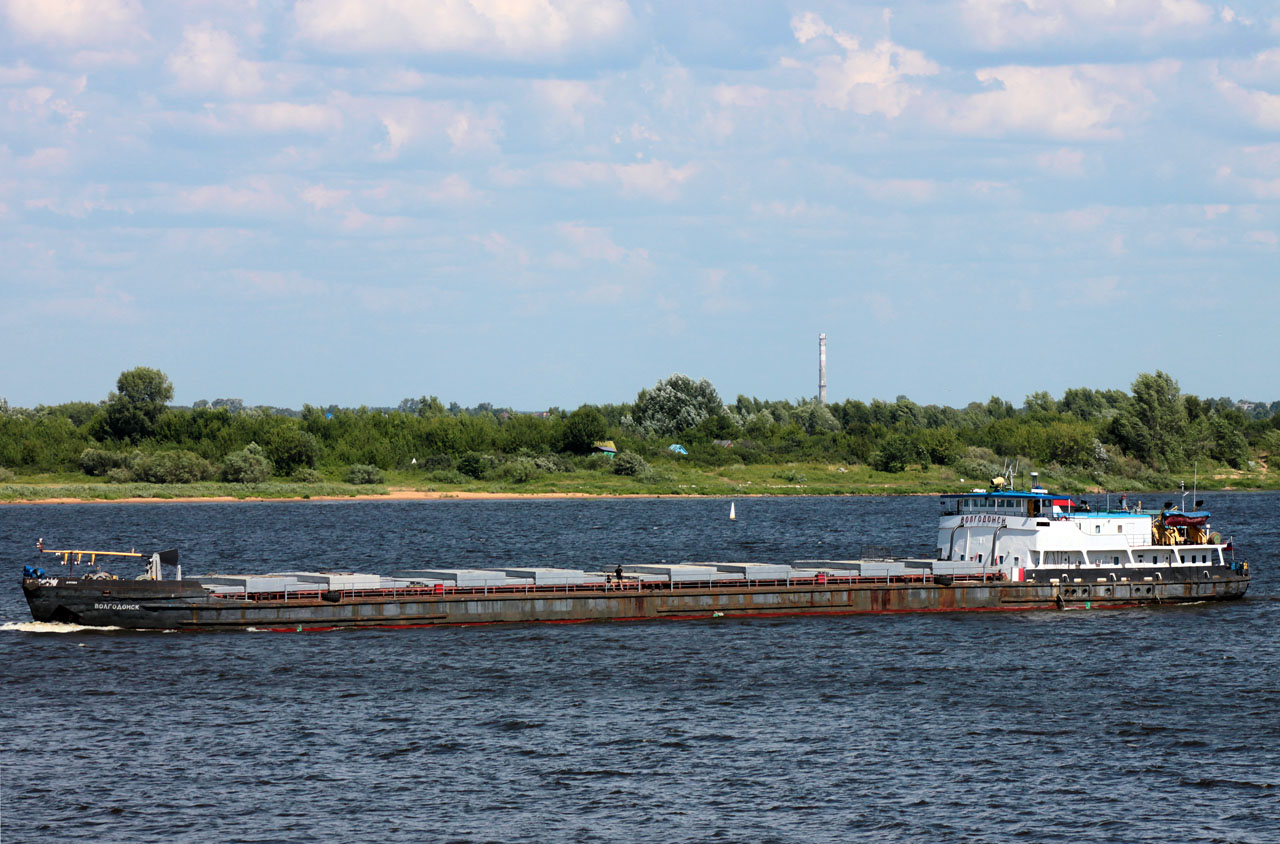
column 184, row 605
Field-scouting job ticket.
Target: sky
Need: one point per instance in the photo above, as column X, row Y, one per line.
column 540, row 203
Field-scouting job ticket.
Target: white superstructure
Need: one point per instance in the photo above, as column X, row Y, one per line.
column 1019, row 533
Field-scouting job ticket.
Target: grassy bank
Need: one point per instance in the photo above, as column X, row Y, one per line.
column 672, row 479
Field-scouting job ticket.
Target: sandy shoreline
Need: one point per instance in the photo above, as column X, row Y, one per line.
column 392, row 495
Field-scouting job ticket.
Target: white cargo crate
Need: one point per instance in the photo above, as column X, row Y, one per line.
column 756, row 571
column 681, row 573
column 551, row 576
column 462, row 578
column 342, row 581
column 848, row 565
column 258, row 583
column 884, row 570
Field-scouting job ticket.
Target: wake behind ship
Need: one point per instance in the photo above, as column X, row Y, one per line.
column 997, row 550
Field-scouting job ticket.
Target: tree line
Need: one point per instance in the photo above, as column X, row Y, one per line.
column 135, row 434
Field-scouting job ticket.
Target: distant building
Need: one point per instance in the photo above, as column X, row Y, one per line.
column 605, row 447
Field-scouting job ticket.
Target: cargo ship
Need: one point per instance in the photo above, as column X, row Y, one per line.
column 997, row 550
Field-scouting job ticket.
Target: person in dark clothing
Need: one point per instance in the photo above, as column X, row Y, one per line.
column 617, row 573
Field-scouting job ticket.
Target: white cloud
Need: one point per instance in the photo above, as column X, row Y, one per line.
column 1072, row 101
column 500, row 247
column 453, row 189
column 407, row 122
column 17, row 74
column 596, row 244
column 1097, row 291
column 1263, row 68
column 279, row 117
column 471, row 132
column 900, row 190
column 104, row 303
column 78, row 201
column 252, row 198
column 741, row 96
column 1077, row 219
column 45, row 106
column 1067, row 162
column 567, row 98
column 865, row 81
column 76, row 22
column 798, row 208
column 1260, row 108
column 273, row 284
column 1255, row 170
column 208, row 61
column 657, row 179
column 519, row 29
column 45, row 158
column 995, row 24
column 654, row 178
column 321, row 198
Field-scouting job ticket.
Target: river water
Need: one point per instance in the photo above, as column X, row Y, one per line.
column 1136, row 725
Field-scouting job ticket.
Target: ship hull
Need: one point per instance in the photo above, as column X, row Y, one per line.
column 184, row 605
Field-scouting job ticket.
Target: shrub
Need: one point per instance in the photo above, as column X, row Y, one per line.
column 171, row 467
column 447, row 476
column 520, row 470
column 247, row 466
column 120, row 475
column 552, row 463
column 5, row 475
column 97, row 462
column 979, row 464
column 630, row 463
column 476, row 465
column 306, row 475
column 363, row 473
column 436, row 462
column 291, row 448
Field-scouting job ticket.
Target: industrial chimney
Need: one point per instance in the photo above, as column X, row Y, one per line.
column 822, row 369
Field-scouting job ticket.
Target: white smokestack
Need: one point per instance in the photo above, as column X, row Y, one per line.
column 822, row 369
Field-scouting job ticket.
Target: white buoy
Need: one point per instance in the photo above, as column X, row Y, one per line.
column 732, row 515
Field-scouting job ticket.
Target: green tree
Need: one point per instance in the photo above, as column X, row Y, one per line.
column 676, row 404
column 1152, row 427
column 430, row 406
column 582, row 429
column 133, row 409
column 1040, row 402
column 896, row 453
